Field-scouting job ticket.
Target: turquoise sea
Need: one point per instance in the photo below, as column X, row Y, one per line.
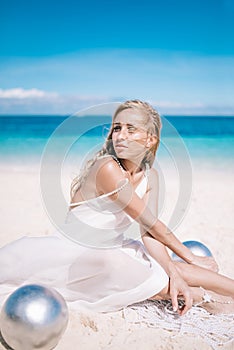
column 206, row 139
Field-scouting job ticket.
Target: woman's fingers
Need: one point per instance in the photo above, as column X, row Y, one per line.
column 206, row 262
column 174, row 300
column 180, row 290
column 188, row 303
column 214, row 265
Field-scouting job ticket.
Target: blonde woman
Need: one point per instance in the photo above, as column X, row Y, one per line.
column 106, row 271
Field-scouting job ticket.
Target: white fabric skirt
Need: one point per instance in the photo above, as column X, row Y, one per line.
column 99, row 279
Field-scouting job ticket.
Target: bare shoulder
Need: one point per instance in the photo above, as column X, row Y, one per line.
column 107, row 166
column 108, row 174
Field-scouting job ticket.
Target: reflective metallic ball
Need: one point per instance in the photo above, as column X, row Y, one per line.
column 197, row 248
column 33, row 317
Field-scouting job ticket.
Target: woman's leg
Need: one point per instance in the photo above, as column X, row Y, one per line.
column 197, row 276
column 209, row 300
column 210, row 290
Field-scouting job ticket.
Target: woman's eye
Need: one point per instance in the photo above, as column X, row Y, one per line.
column 131, row 129
column 116, row 128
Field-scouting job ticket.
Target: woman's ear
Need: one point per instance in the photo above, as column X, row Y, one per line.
column 151, row 141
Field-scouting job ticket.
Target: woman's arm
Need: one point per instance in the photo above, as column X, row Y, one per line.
column 110, row 177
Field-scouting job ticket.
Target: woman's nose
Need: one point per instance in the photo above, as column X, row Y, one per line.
column 122, row 134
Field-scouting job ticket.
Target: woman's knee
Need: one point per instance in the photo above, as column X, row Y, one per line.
column 162, row 295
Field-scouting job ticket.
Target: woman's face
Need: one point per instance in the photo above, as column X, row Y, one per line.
column 129, row 136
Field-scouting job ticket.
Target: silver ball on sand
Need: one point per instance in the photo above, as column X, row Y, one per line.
column 197, row 248
column 33, row 317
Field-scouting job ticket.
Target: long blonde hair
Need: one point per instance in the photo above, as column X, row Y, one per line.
column 152, row 121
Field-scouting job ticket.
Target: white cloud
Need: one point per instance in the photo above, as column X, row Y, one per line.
column 34, row 101
column 20, row 93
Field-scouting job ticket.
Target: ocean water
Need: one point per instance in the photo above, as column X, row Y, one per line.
column 204, row 140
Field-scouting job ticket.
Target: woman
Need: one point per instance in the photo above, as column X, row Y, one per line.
column 114, row 189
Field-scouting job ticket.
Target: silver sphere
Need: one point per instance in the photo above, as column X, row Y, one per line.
column 33, row 317
column 197, row 248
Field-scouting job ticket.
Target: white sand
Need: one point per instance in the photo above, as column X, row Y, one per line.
column 209, row 219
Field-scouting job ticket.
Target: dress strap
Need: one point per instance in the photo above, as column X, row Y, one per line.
column 101, row 196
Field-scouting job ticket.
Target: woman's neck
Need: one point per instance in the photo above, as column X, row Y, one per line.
column 131, row 167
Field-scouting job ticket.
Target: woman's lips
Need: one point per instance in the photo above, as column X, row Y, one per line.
column 120, row 146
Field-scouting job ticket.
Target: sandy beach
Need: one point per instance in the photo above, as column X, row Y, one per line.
column 209, row 219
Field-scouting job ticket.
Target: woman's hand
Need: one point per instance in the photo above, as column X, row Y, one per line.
column 179, row 288
column 207, row 262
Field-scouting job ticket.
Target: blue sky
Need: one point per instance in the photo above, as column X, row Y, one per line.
column 58, row 57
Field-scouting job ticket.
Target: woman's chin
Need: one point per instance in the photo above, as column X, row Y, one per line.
column 121, row 153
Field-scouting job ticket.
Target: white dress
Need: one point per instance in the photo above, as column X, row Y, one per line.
column 117, row 273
